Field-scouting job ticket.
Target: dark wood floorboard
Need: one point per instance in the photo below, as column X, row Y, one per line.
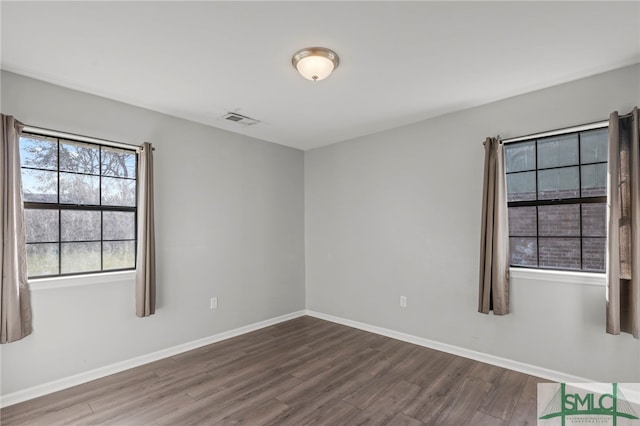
column 300, row 372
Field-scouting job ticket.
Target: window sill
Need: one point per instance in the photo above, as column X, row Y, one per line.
column 38, row 284
column 567, row 277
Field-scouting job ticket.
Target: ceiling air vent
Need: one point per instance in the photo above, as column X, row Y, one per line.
column 247, row 121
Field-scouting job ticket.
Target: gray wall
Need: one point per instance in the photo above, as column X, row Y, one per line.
column 398, row 213
column 394, row 213
column 229, row 223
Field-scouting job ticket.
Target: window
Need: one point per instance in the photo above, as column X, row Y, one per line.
column 557, row 195
column 80, row 206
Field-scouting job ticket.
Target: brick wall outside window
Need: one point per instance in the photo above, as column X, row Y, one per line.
column 556, row 193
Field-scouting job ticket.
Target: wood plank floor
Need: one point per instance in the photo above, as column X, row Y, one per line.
column 300, row 372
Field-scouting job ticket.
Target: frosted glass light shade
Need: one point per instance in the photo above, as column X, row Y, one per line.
column 315, row 67
column 315, row 63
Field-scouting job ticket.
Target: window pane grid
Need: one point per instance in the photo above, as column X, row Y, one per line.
column 566, row 228
column 79, row 244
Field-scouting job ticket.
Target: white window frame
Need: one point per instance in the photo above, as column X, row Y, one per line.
column 598, row 279
column 88, row 278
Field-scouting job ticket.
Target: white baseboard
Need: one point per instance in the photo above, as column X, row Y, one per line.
column 533, row 370
column 87, row 376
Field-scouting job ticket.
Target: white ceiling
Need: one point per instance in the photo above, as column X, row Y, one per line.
column 400, row 62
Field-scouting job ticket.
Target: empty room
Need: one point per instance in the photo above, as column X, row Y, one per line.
column 330, row 212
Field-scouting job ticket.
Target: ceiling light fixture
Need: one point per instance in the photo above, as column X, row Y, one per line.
column 315, row 63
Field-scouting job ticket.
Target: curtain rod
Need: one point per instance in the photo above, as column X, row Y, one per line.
column 579, row 128
column 58, row 134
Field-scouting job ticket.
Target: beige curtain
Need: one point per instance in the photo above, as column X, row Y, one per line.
column 494, row 249
column 15, row 308
column 146, row 257
column 623, row 268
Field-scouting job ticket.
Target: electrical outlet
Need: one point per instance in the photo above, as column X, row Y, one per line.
column 403, row 301
column 213, row 303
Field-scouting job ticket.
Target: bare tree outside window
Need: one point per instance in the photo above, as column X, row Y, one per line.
column 80, row 206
